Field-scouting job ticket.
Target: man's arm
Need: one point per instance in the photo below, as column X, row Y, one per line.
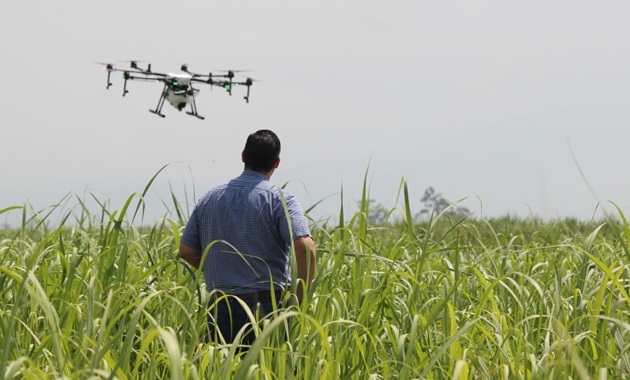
column 305, row 260
column 191, row 255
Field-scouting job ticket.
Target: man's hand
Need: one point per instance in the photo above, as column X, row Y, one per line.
column 305, row 260
column 191, row 255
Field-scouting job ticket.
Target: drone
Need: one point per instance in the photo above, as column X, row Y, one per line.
column 178, row 88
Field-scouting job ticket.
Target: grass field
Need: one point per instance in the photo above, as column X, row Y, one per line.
column 97, row 297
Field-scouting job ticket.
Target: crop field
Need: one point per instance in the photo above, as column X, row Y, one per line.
column 96, row 297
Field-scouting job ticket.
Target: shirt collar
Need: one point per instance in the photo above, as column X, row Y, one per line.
column 255, row 174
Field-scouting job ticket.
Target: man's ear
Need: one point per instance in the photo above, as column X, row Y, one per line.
column 243, row 156
column 277, row 163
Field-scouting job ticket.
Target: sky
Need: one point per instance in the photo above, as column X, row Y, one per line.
column 505, row 108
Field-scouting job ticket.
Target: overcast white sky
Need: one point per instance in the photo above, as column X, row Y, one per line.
column 518, row 107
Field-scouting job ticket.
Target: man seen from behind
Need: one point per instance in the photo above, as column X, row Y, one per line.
column 244, row 226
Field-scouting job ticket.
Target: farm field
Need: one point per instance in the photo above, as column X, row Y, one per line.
column 97, row 297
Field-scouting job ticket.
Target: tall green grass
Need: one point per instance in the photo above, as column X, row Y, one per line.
column 96, row 296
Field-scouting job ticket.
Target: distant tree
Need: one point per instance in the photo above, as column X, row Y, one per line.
column 376, row 213
column 434, row 204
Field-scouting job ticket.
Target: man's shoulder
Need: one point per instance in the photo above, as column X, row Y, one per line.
column 281, row 192
column 217, row 189
column 212, row 192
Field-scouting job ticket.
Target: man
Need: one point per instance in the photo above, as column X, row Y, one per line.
column 244, row 227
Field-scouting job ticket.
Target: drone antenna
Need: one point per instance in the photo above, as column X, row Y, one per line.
column 149, row 68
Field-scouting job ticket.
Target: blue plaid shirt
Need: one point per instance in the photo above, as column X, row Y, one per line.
column 243, row 225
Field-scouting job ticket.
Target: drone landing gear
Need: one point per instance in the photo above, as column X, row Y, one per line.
column 193, row 112
column 158, row 109
column 157, row 113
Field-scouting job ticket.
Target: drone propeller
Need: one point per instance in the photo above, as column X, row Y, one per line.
column 226, row 73
column 233, row 71
column 134, row 66
column 131, row 62
column 247, row 82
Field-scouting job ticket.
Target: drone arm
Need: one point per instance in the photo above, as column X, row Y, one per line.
column 128, row 76
column 145, row 78
column 247, row 83
column 206, row 81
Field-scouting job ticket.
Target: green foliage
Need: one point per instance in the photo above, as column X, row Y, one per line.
column 444, row 298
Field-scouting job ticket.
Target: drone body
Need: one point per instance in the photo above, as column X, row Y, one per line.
column 178, row 88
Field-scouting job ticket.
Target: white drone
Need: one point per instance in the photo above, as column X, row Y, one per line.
column 178, row 88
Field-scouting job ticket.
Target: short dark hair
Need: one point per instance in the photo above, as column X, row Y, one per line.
column 262, row 149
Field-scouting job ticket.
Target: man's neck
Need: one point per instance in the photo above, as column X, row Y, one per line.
column 267, row 174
